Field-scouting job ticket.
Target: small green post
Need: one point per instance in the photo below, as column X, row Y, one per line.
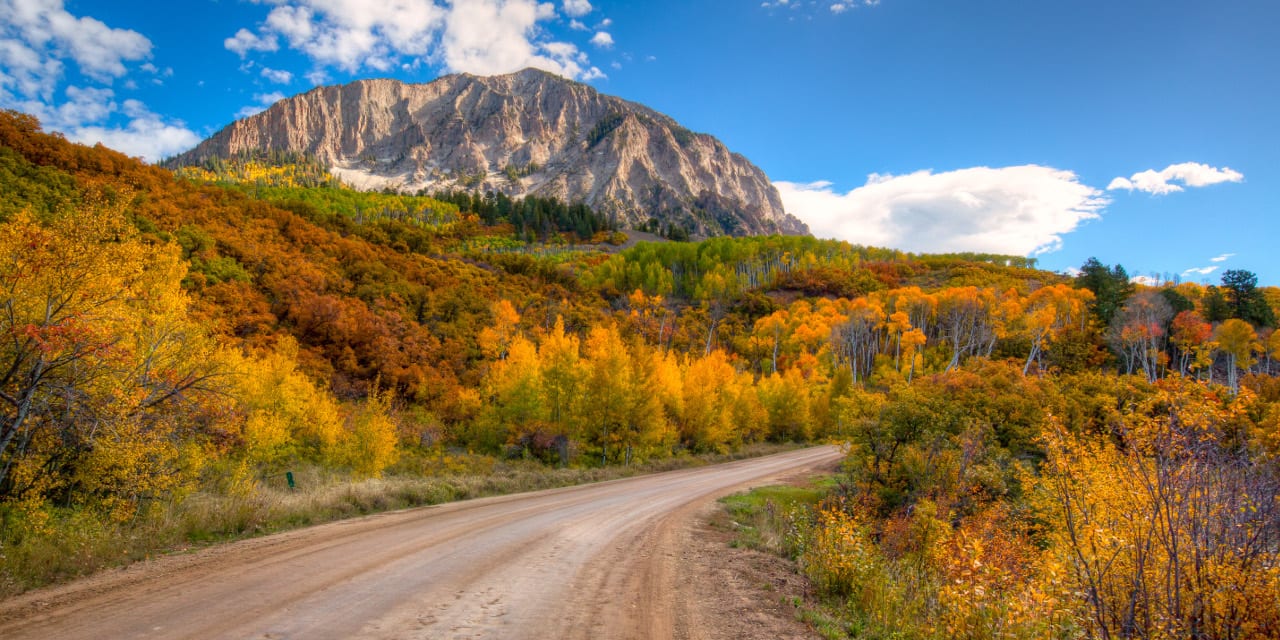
column 288, row 475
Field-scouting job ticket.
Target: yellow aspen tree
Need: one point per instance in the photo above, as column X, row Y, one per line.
column 772, row 328
column 608, row 392
column 706, row 423
column 1238, row 341
column 559, row 357
column 287, row 416
column 369, row 443
column 95, row 324
column 496, row 338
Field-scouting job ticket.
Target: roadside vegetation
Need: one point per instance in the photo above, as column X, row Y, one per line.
column 984, row 505
column 74, row 542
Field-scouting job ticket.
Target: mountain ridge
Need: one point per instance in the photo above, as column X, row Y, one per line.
column 524, row 133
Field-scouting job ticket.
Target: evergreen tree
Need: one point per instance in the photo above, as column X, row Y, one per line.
column 1245, row 300
column 1110, row 287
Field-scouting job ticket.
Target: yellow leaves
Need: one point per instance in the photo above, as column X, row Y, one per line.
column 99, row 350
column 1157, row 527
column 710, row 387
column 1238, row 340
column 286, row 414
column 786, row 397
column 369, row 444
column 287, row 417
column 839, row 555
column 495, row 338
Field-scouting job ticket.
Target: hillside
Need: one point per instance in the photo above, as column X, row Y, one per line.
column 176, row 344
column 526, row 133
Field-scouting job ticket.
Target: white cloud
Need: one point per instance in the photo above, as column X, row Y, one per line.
column 577, row 8
column 261, row 102
column 83, row 105
column 277, row 76
column 475, row 36
column 1203, row 271
column 245, row 41
column 351, row 34
column 836, row 8
column 577, row 25
column 602, row 39
column 37, row 37
column 1206, row 270
column 146, row 135
column 1191, row 174
column 1011, row 210
column 1146, row 281
column 489, row 37
column 45, row 28
column 37, row 40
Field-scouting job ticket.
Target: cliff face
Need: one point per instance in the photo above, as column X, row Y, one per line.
column 526, row 133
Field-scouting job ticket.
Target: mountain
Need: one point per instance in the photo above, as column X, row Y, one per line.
column 525, row 133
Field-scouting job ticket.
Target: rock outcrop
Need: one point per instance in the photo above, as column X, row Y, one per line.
column 525, row 133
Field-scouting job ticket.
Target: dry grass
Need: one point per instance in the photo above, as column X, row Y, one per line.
column 62, row 544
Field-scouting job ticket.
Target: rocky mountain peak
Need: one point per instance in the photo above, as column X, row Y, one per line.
column 525, row 133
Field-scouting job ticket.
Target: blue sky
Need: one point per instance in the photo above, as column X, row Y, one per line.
column 1144, row 133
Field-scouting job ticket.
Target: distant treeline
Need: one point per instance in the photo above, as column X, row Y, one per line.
column 533, row 217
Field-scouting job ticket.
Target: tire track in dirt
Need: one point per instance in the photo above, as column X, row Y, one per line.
column 608, row 560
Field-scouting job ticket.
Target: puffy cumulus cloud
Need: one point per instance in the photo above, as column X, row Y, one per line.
column 277, row 76
column 475, row 36
column 245, row 41
column 34, row 31
column 1019, row 210
column 146, row 135
column 577, row 8
column 1190, row 174
column 79, row 105
column 488, row 37
column 39, row 39
column 602, row 39
column 82, row 118
column 351, row 34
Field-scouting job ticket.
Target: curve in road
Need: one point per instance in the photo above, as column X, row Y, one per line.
column 592, row 561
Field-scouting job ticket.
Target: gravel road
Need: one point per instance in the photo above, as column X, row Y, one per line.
column 607, row 560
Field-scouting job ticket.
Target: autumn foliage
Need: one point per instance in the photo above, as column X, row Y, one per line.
column 1029, row 455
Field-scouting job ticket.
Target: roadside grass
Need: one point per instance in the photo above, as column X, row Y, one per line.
column 56, row 545
column 761, row 518
column 775, row 519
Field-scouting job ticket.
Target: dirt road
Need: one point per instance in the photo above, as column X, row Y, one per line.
column 596, row 561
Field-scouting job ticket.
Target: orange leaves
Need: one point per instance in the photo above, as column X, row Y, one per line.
column 495, row 338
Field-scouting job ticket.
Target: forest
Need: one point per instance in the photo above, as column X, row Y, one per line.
column 1030, row 454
